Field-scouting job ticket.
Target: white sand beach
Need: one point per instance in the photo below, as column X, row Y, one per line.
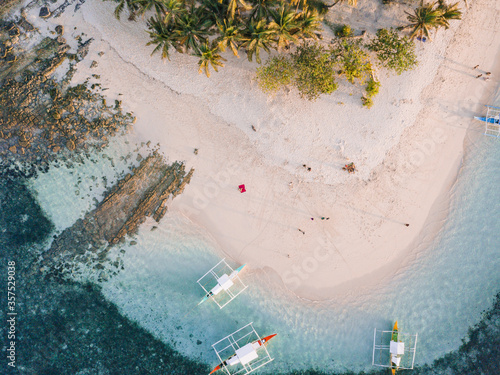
column 408, row 147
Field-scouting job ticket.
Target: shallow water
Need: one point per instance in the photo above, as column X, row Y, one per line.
column 67, row 192
column 438, row 296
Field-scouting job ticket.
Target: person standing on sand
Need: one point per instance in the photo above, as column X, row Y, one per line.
column 477, row 66
column 479, row 76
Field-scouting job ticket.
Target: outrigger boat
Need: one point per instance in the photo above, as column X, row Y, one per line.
column 223, row 283
column 245, row 354
column 242, row 352
column 396, row 349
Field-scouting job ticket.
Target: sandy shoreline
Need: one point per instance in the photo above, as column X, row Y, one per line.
column 408, row 147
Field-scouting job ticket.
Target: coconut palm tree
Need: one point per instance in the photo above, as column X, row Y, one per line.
column 209, row 55
column 230, row 36
column 215, row 10
column 144, row 6
column 310, row 23
column 192, row 29
column 233, row 6
column 284, row 25
column 261, row 8
column 449, row 12
column 130, row 5
column 258, row 37
column 162, row 35
column 425, row 18
column 173, row 9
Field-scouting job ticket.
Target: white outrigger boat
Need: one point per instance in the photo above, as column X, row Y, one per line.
column 227, row 286
column 394, row 349
column 245, row 351
column 491, row 120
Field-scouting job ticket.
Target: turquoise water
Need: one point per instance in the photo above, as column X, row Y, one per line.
column 439, row 295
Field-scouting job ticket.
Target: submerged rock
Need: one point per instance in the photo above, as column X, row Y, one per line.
column 141, row 193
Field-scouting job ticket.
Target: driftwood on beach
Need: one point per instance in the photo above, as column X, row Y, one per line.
column 144, row 192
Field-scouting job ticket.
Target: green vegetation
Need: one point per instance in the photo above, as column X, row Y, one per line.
column 354, row 61
column 393, row 51
column 432, row 16
column 314, row 71
column 253, row 25
column 343, row 31
column 276, row 73
column 209, row 56
column 372, row 88
column 208, row 28
column 310, row 69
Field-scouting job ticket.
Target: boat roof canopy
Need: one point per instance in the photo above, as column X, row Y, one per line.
column 225, row 282
column 397, row 347
column 246, row 354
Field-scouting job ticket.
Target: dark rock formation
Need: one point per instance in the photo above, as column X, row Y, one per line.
column 144, row 192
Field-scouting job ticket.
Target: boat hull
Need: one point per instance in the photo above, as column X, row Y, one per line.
column 262, row 342
column 489, row 120
column 394, row 337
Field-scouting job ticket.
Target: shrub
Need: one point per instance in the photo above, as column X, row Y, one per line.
column 274, row 74
column 314, row 71
column 367, row 102
column 343, row 31
column 372, row 88
column 394, row 52
column 353, row 60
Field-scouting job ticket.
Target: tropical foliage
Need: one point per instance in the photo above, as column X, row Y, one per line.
column 354, row 62
column 393, row 51
column 343, row 31
column 315, row 74
column 275, row 74
column 372, row 88
column 432, row 16
column 208, row 27
column 310, row 69
column 209, row 56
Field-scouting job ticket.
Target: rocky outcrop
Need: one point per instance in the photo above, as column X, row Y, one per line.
column 45, row 118
column 144, row 192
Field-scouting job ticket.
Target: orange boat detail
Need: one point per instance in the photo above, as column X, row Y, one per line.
column 262, row 342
